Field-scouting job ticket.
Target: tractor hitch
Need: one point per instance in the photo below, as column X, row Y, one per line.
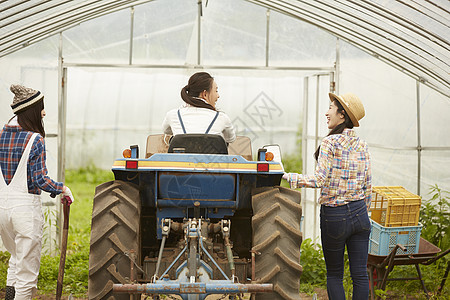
column 216, row 287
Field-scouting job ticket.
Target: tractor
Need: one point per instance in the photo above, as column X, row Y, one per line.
column 195, row 217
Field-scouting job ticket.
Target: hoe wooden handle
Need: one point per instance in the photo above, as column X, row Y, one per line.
column 62, row 260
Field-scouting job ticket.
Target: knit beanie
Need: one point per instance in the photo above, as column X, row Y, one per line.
column 24, row 97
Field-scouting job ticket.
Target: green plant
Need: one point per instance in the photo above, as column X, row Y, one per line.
column 307, row 288
column 313, row 263
column 292, row 163
column 435, row 218
column 50, row 225
column 4, row 259
column 347, row 281
column 314, row 269
column 89, row 174
column 82, row 182
column 380, row 293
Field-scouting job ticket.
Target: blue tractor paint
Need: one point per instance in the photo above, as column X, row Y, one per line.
column 200, row 186
column 182, row 179
column 195, row 221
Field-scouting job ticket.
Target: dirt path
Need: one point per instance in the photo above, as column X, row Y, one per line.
column 321, row 295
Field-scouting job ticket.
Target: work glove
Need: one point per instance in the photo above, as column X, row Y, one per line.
column 291, row 178
column 66, row 193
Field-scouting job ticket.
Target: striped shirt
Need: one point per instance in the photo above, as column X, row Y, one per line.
column 343, row 170
column 13, row 140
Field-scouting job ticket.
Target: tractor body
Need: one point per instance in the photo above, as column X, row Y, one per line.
column 192, row 224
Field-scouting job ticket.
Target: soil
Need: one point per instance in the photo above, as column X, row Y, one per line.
column 321, row 295
column 43, row 297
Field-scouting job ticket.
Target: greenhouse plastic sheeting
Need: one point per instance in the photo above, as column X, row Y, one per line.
column 410, row 35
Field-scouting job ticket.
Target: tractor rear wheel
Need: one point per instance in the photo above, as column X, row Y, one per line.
column 277, row 237
column 114, row 234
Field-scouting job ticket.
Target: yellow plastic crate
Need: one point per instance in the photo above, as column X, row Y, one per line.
column 394, row 206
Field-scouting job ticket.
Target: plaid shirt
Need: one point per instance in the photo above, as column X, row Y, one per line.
column 343, row 170
column 13, row 140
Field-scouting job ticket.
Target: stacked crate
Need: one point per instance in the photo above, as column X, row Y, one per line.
column 395, row 220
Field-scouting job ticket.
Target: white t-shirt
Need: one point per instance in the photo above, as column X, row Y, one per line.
column 197, row 120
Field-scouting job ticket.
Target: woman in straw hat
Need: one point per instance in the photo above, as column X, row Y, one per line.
column 199, row 113
column 22, row 162
column 344, row 175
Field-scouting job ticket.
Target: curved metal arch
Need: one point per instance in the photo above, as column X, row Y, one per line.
column 432, row 70
column 412, row 26
column 60, row 21
column 27, row 9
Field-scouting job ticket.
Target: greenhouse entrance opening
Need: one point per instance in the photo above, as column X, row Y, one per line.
column 112, row 108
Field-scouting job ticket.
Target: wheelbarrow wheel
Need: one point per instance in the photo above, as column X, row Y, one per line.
column 114, row 232
column 277, row 237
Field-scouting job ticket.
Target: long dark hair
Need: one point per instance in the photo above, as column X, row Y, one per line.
column 339, row 128
column 31, row 119
column 198, row 83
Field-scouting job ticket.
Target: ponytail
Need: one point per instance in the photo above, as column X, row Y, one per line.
column 198, row 83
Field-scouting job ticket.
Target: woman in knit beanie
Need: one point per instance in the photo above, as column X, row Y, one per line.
column 22, row 162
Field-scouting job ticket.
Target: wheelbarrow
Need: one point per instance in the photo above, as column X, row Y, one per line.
column 385, row 264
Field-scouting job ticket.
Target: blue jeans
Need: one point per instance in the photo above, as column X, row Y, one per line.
column 346, row 225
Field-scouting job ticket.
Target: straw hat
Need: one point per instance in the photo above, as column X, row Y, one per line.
column 352, row 106
column 24, row 97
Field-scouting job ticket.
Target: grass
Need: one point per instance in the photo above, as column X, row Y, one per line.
column 82, row 183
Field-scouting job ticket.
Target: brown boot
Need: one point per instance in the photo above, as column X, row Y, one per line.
column 10, row 293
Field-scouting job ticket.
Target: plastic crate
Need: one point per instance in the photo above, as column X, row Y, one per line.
column 382, row 239
column 394, row 206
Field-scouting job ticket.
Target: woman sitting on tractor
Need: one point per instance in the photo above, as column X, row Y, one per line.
column 199, row 113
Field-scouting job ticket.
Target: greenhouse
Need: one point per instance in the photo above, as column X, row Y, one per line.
column 110, row 70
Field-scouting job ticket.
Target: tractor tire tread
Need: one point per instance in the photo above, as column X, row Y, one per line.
column 277, row 236
column 115, row 231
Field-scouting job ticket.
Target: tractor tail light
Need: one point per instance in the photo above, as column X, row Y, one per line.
column 269, row 156
column 131, row 164
column 262, row 167
column 126, row 153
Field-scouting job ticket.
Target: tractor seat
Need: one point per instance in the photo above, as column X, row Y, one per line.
column 198, row 143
